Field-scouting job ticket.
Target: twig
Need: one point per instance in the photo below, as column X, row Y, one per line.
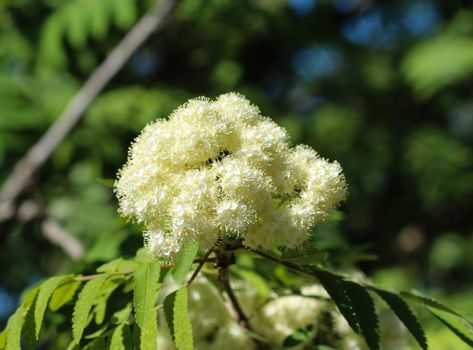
column 280, row 262
column 42, row 150
column 199, row 267
column 242, row 318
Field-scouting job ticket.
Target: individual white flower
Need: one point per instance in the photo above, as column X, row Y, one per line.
column 219, row 168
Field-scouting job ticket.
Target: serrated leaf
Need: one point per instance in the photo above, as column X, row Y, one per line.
column 13, row 330
column 29, row 328
column 428, row 301
column 118, row 265
column 146, row 286
column 86, row 299
column 169, row 302
column 63, row 294
column 365, row 313
column 121, row 338
column 105, row 293
column 299, row 336
column 333, row 284
column 45, row 291
column 459, row 326
column 121, row 316
column 184, row 262
column 177, row 315
column 405, row 315
column 15, row 323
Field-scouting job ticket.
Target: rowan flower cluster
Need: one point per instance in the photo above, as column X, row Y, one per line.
column 219, row 168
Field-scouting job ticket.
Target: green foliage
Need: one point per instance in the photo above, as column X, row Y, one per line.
column 45, row 291
column 439, row 62
column 146, row 286
column 462, row 328
column 184, row 262
column 84, row 303
column 79, row 20
column 63, row 294
column 14, row 326
column 144, row 276
column 175, row 308
column 121, row 338
column 365, row 313
column 405, row 315
column 397, row 116
column 333, row 284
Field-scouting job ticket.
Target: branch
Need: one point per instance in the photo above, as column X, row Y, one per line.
column 42, row 150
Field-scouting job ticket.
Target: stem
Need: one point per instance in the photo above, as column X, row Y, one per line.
column 242, row 318
column 201, row 264
column 280, row 262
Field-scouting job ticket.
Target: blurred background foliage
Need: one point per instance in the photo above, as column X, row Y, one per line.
column 385, row 88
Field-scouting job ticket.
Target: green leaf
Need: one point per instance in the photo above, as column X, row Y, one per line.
column 436, row 63
column 122, row 316
column 13, row 330
column 125, row 13
column 99, row 22
column 45, row 291
column 146, row 286
column 299, row 336
column 14, row 326
column 254, row 280
column 29, row 328
column 121, row 338
column 3, row 339
column 63, row 294
column 143, row 257
column 86, row 299
column 175, row 309
column 457, row 325
column 333, row 284
column 184, row 262
column 365, row 313
column 97, row 344
column 169, row 302
column 118, row 265
column 427, row 301
column 405, row 315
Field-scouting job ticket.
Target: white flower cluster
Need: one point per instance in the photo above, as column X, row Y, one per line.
column 219, row 168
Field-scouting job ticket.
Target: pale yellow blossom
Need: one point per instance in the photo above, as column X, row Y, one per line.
column 219, row 168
